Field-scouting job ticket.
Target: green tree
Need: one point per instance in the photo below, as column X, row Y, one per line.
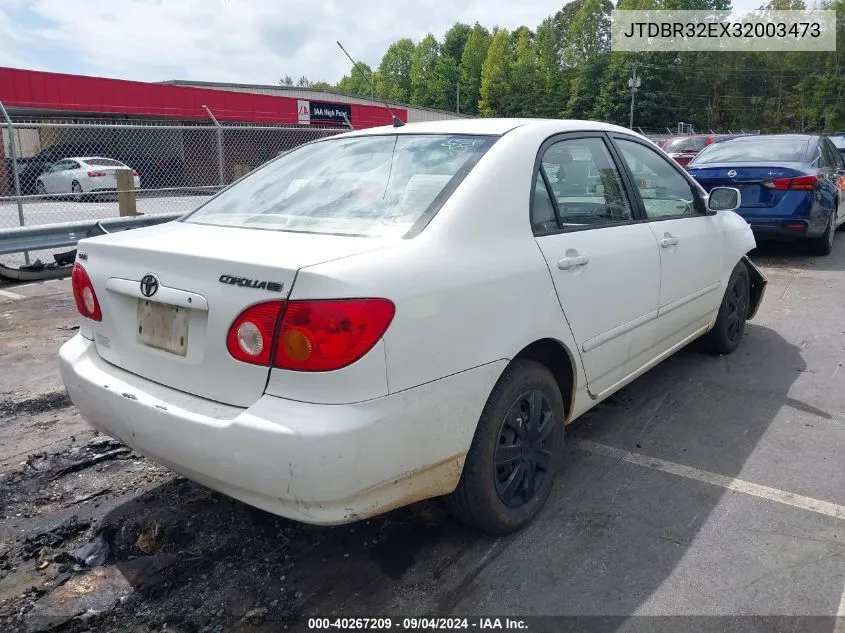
column 423, row 64
column 455, row 41
column 496, row 76
column 286, row 81
column 356, row 82
column 472, row 60
column 393, row 78
column 444, row 83
column 525, row 86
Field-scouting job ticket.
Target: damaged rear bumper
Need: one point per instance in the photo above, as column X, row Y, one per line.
column 322, row 464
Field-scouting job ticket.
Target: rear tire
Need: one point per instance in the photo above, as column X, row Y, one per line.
column 40, row 189
column 515, row 453
column 727, row 333
column 824, row 245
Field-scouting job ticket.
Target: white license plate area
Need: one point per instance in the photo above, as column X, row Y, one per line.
column 163, row 326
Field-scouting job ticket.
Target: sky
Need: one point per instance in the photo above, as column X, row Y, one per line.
column 245, row 41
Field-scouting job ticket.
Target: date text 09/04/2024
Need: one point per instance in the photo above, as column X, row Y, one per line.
column 417, row 624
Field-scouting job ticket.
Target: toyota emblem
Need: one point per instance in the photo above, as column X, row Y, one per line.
column 732, row 173
column 149, row 285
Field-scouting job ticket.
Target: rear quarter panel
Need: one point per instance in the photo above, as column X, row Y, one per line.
column 471, row 289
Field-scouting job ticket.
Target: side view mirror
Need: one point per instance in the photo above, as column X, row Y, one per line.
column 723, row 199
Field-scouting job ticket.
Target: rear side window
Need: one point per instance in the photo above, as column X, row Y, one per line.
column 373, row 186
column 690, row 144
column 578, row 186
column 104, row 162
column 830, row 157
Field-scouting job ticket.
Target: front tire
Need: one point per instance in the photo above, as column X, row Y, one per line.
column 727, row 333
column 824, row 245
column 515, row 453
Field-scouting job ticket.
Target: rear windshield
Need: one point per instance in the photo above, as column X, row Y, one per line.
column 103, row 162
column 686, row 144
column 752, row 149
column 376, row 186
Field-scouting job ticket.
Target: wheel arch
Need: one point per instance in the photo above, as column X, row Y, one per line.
column 558, row 359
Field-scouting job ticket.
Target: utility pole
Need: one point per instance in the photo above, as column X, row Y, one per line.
column 633, row 83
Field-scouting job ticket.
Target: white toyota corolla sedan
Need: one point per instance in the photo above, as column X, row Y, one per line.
column 395, row 314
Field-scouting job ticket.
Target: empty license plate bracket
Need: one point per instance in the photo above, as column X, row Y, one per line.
column 163, row 326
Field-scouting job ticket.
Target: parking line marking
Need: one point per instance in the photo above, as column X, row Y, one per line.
column 11, row 295
column 730, row 483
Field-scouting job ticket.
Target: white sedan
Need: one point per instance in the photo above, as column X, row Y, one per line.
column 395, row 314
column 80, row 175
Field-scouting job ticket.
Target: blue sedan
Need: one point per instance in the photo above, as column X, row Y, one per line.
column 792, row 186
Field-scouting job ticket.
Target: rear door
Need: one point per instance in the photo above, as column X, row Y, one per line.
column 603, row 261
column 833, row 174
column 690, row 241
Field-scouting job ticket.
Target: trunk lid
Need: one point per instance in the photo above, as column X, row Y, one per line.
column 206, row 276
column 748, row 179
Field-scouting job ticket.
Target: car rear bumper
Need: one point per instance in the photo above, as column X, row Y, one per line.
column 779, row 228
column 322, row 464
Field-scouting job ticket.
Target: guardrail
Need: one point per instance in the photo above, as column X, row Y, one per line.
column 46, row 236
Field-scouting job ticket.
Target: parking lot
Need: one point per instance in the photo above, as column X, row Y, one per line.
column 712, row 486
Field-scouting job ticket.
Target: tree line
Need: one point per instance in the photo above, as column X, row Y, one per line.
column 564, row 68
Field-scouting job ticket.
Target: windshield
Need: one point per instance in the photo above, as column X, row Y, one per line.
column 686, row 144
column 375, row 186
column 838, row 142
column 754, row 149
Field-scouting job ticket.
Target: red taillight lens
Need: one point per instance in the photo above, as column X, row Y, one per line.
column 96, row 174
column 159, row 163
column 134, row 172
column 328, row 335
column 84, row 295
column 250, row 337
column 320, row 335
column 806, row 183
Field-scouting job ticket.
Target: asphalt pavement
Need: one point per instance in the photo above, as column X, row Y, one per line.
column 711, row 486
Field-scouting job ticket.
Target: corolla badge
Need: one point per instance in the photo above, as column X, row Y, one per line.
column 732, row 173
column 149, row 285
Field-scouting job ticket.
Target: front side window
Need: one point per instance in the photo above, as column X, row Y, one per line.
column 665, row 192
column 373, row 186
column 583, row 183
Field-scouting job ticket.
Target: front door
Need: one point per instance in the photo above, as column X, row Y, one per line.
column 605, row 265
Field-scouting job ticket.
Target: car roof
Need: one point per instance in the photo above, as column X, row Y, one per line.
column 487, row 126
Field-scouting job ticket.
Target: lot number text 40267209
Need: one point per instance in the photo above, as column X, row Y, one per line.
column 417, row 624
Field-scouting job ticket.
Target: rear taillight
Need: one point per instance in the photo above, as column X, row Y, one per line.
column 134, row 172
column 806, row 183
column 159, row 163
column 96, row 174
column 84, row 295
column 250, row 338
column 319, row 335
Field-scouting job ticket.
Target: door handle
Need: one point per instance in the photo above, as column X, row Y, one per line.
column 573, row 262
column 666, row 242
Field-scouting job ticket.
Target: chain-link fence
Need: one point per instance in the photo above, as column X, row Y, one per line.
column 64, row 170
